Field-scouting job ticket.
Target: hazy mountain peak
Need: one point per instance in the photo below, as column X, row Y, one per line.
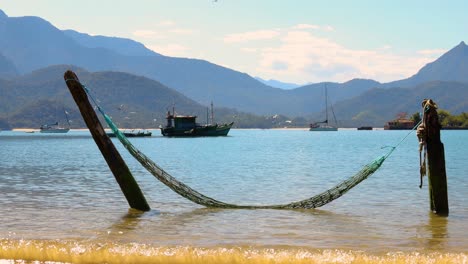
column 278, row 84
column 451, row 66
column 2, row 14
column 123, row 46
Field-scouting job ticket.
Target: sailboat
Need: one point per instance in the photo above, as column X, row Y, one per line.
column 55, row 128
column 324, row 125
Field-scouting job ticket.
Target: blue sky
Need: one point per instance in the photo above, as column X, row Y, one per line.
column 299, row 41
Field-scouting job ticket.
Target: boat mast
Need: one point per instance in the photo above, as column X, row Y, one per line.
column 212, row 113
column 66, row 115
column 326, row 103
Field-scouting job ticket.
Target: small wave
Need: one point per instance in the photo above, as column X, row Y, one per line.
column 59, row 251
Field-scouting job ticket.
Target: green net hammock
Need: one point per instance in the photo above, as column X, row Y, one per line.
column 198, row 198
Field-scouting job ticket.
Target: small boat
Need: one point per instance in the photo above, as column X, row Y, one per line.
column 133, row 133
column 365, row 128
column 186, row 126
column 324, row 125
column 55, row 128
column 401, row 123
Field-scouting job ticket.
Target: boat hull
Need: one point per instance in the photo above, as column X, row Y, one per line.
column 198, row 131
column 323, row 129
column 55, row 130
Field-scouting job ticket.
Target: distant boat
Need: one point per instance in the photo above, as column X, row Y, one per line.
column 364, row 128
column 401, row 123
column 186, row 126
column 133, row 133
column 324, row 125
column 55, row 128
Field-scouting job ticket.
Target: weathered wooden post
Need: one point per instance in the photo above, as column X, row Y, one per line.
column 117, row 165
column 429, row 135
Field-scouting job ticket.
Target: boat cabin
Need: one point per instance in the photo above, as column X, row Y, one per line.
column 181, row 122
column 401, row 123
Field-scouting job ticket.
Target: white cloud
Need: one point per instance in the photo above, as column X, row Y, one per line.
column 181, row 31
column 314, row 27
column 297, row 55
column 167, row 23
column 144, row 33
column 252, row 35
column 328, row 28
column 305, row 26
column 249, row 50
column 432, row 52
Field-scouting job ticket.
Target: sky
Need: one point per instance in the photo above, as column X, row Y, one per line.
column 295, row 41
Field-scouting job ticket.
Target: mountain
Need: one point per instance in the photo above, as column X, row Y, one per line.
column 7, row 68
column 451, row 66
column 31, row 43
column 278, row 84
column 123, row 46
column 336, row 91
column 128, row 98
column 198, row 79
column 133, row 101
column 376, row 106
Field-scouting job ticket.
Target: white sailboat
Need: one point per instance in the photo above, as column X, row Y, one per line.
column 324, row 125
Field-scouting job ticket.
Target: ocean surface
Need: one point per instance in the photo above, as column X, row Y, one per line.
column 60, row 202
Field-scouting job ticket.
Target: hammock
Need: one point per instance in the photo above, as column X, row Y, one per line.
column 198, row 198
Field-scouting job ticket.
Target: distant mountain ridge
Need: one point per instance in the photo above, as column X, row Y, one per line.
column 278, row 84
column 123, row 46
column 199, row 80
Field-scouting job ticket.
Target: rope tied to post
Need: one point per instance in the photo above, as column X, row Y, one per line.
column 422, row 137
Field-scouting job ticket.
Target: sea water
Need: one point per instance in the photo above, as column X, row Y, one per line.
column 60, row 202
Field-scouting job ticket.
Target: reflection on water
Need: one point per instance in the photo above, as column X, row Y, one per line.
column 437, row 227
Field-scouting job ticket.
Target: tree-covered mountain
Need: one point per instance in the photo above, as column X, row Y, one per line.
column 377, row 106
column 7, row 68
column 133, row 101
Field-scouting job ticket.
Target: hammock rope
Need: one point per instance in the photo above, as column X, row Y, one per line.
column 198, row 198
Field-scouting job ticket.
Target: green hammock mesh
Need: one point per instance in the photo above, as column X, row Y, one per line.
column 196, row 197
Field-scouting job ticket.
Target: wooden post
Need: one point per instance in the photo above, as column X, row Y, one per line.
column 117, row 165
column 437, row 177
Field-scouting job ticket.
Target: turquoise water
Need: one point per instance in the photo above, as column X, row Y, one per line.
column 59, row 188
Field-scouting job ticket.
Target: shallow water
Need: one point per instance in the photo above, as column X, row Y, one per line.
column 60, row 201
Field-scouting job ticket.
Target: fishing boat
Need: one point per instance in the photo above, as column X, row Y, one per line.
column 186, row 126
column 56, row 128
column 324, row 125
column 53, row 128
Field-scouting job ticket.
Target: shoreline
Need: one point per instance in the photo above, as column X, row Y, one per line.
column 126, row 129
